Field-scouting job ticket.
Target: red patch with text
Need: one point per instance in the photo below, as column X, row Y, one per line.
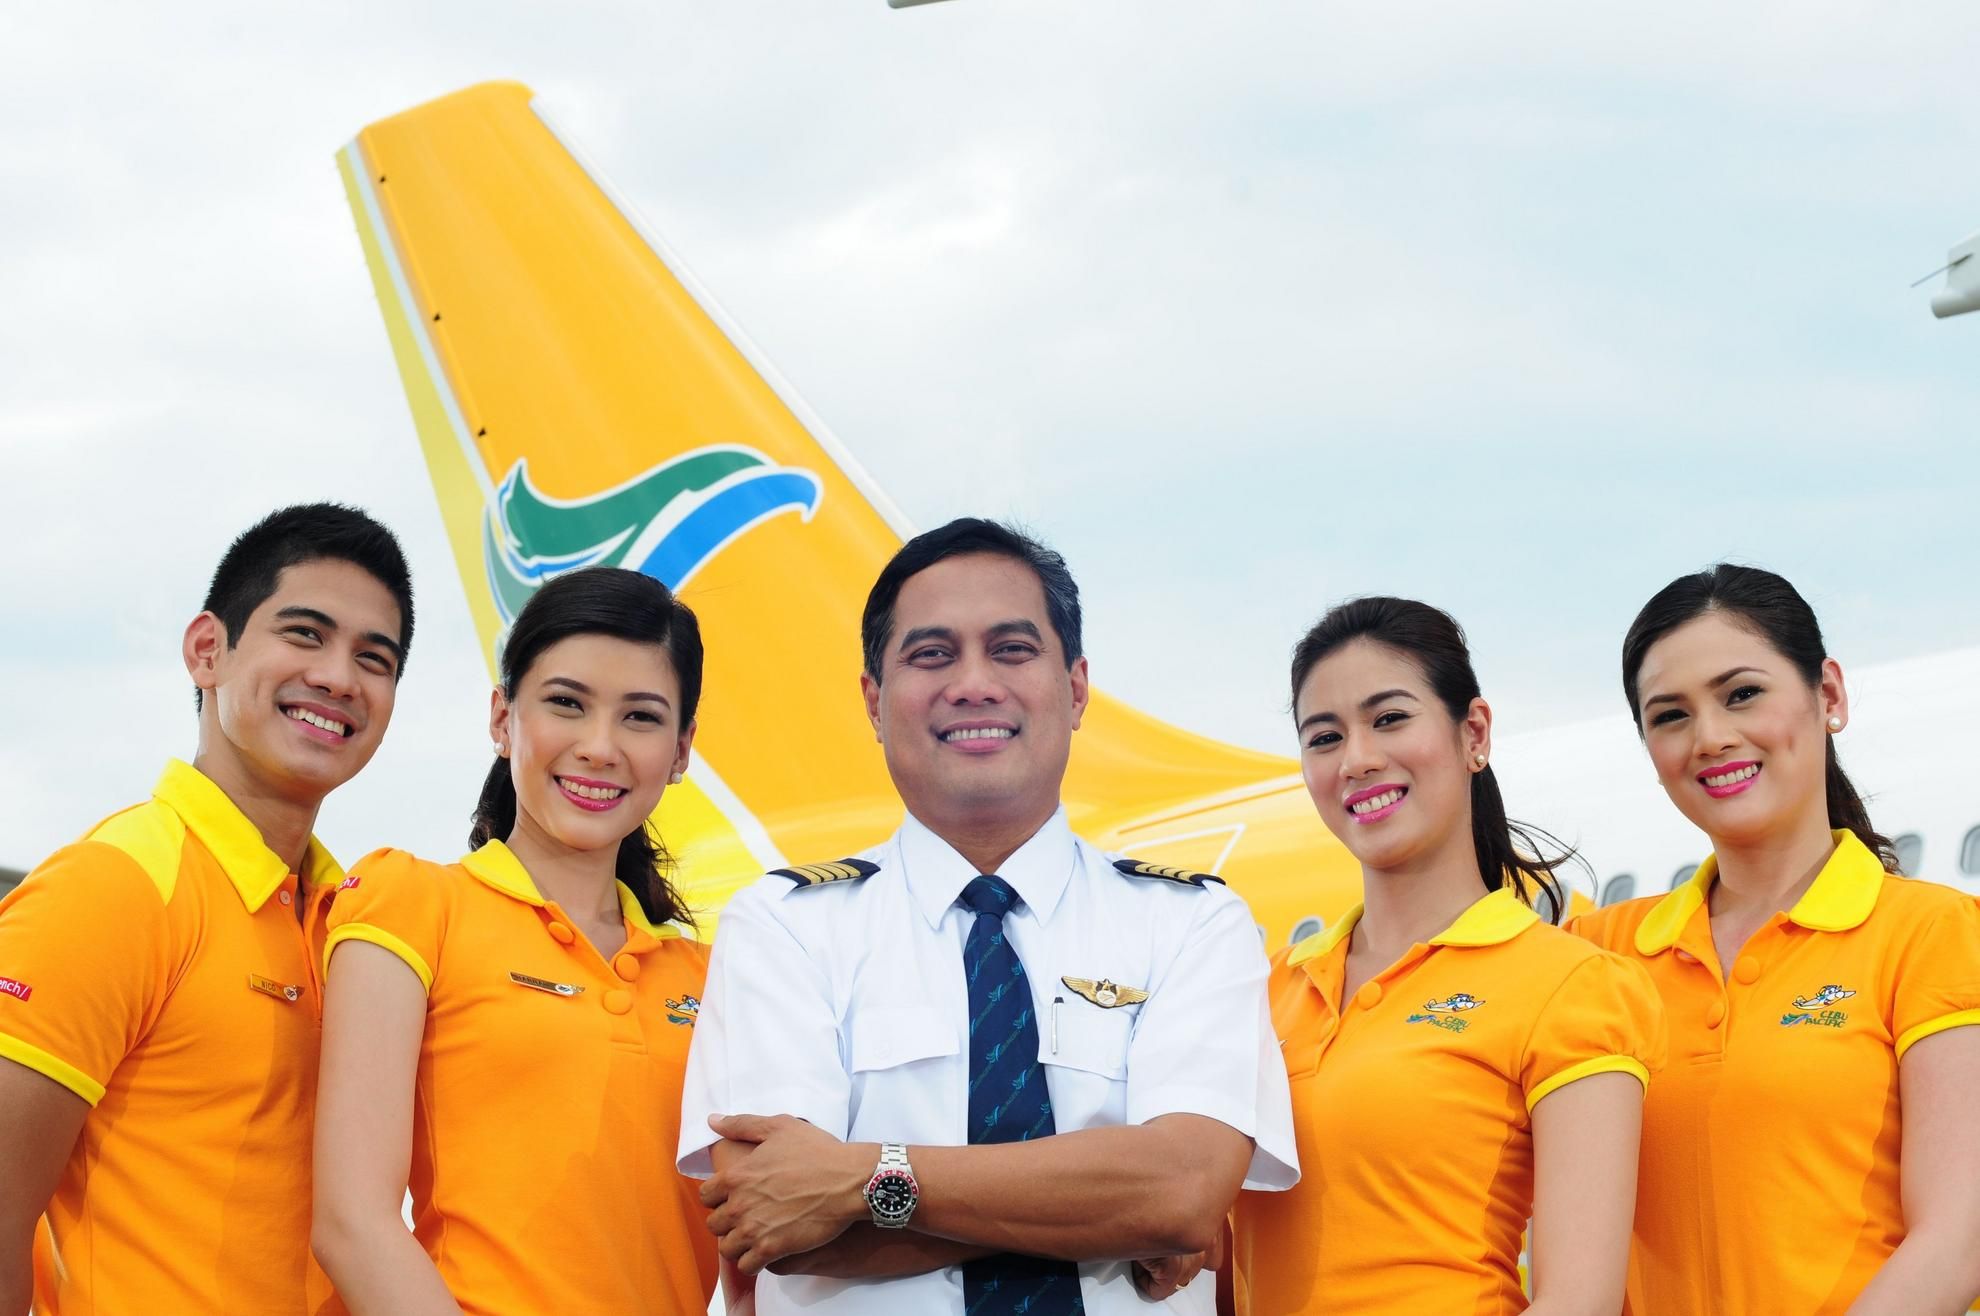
column 16, row 988
column 347, row 884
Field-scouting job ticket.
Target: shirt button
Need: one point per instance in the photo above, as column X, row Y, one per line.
column 618, row 1002
column 1716, row 1015
column 626, row 966
column 1368, row 994
column 1747, row 970
column 562, row 935
column 286, row 898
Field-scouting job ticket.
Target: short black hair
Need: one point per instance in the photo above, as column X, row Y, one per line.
column 964, row 535
column 307, row 532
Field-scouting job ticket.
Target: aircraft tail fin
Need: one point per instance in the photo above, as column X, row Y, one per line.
column 580, row 400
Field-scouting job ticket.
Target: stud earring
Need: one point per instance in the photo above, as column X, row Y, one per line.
column 1835, row 724
column 674, row 779
column 1479, row 759
column 501, row 750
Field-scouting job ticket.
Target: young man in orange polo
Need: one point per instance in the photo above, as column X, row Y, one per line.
column 159, row 1003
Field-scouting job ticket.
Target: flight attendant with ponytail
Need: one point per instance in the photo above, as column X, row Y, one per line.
column 1458, row 1065
column 508, row 1034
column 1811, row 1146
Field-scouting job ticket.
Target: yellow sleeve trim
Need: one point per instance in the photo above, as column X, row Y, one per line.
column 1922, row 1031
column 1574, row 1073
column 381, row 938
column 14, row 1049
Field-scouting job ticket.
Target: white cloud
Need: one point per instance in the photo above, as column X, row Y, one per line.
column 1523, row 308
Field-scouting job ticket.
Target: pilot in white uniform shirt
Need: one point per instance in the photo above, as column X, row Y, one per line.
column 843, row 1002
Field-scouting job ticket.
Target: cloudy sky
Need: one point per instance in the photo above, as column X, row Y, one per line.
column 1519, row 308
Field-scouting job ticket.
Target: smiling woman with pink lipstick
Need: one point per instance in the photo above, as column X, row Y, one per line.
column 1458, row 1066
column 507, row 1034
column 1811, row 1147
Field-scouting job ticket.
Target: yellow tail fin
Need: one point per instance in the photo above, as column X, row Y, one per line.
column 581, row 400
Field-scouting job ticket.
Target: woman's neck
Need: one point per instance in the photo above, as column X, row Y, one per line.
column 1768, row 874
column 582, row 882
column 1405, row 906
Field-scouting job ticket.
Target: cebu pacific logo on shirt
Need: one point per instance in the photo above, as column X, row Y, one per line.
column 684, row 1011
column 667, row 522
column 1445, row 1014
column 1816, row 1009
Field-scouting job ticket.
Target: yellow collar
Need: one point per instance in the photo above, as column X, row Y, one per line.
column 1495, row 917
column 497, row 866
column 254, row 869
column 1840, row 898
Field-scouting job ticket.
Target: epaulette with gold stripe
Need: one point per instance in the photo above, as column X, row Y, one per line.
column 844, row 870
column 1188, row 877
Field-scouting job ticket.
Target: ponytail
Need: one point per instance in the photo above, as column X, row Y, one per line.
column 1847, row 811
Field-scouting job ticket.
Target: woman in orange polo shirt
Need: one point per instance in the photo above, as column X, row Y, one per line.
column 1811, row 1147
column 507, row 1034
column 1458, row 1065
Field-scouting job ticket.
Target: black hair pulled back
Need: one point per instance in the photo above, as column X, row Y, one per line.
column 625, row 605
column 1768, row 606
column 1509, row 853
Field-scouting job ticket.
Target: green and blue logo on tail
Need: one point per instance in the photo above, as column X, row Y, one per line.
column 667, row 522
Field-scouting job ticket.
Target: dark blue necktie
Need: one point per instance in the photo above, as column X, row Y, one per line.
column 1008, row 1102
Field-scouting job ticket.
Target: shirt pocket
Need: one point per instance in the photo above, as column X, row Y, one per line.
column 890, row 1036
column 1085, row 1037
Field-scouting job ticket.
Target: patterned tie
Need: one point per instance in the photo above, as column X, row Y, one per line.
column 1008, row 1102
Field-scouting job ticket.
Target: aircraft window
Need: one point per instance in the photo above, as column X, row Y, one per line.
column 1682, row 875
column 1306, row 927
column 1911, row 853
column 1969, row 854
column 1620, row 888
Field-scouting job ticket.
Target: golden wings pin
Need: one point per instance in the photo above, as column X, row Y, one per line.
column 1107, row 994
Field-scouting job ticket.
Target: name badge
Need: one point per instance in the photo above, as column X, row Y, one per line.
column 545, row 985
column 281, row 991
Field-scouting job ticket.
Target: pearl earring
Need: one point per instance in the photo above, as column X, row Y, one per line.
column 1479, row 759
column 501, row 749
column 674, row 779
column 1835, row 724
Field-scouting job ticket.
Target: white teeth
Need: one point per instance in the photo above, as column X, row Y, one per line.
column 592, row 792
column 979, row 733
column 1382, row 801
column 304, row 715
column 1734, row 778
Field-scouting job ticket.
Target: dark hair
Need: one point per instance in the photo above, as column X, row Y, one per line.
column 626, row 605
column 1766, row 605
column 253, row 564
column 1432, row 639
column 969, row 534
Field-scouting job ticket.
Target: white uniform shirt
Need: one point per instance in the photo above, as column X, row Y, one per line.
column 844, row 1004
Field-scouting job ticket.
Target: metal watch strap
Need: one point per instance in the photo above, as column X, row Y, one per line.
column 893, row 1156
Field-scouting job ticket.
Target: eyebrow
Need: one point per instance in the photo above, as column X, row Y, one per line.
column 297, row 612
column 1380, row 697
column 1716, row 682
column 572, row 683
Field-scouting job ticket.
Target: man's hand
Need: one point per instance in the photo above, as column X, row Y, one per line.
column 1159, row 1279
column 797, row 1189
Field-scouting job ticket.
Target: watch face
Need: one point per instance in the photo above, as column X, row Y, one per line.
column 891, row 1193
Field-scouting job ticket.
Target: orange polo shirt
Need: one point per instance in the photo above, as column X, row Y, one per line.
column 1412, row 1107
column 1769, row 1175
column 548, row 1098
column 157, row 969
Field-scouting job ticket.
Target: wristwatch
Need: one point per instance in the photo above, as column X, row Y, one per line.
column 891, row 1193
